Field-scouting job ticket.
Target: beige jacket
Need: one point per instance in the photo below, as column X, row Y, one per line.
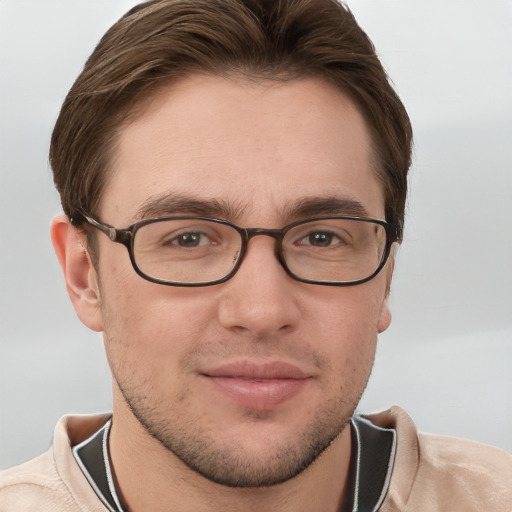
column 430, row 473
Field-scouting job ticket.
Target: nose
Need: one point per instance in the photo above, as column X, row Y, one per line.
column 261, row 299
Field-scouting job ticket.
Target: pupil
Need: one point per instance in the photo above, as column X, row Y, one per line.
column 320, row 239
column 189, row 240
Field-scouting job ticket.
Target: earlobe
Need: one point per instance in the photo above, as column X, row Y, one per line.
column 385, row 316
column 79, row 273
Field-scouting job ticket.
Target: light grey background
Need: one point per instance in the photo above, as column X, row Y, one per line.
column 447, row 357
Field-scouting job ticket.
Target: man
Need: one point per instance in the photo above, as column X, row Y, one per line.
column 252, row 158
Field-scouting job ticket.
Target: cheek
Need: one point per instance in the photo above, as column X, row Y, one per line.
column 352, row 349
column 146, row 324
column 350, row 327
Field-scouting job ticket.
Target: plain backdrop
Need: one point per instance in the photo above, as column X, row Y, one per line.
column 447, row 357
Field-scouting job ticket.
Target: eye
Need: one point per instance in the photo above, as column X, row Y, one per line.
column 320, row 239
column 190, row 239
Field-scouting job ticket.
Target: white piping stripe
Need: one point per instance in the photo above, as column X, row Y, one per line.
column 358, row 467
column 387, row 481
column 108, row 469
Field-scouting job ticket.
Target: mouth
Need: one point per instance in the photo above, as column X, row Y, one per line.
column 258, row 386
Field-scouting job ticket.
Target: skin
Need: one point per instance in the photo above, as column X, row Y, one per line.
column 260, row 148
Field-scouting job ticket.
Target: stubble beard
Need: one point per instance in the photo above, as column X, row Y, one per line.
column 228, row 463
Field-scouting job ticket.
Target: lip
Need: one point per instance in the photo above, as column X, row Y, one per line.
column 258, row 386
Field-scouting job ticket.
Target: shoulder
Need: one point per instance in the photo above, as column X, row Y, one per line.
column 34, row 486
column 467, row 470
column 464, row 454
column 438, row 473
column 53, row 482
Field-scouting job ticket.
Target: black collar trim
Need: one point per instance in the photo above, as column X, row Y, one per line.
column 371, row 465
column 94, row 461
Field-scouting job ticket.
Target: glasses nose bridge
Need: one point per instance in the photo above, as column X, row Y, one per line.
column 276, row 234
column 273, row 233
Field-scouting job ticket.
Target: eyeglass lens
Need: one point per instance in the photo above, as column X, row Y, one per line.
column 200, row 251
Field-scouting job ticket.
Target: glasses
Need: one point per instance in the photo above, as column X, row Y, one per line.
column 200, row 251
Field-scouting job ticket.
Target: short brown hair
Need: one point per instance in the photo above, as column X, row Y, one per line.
column 161, row 40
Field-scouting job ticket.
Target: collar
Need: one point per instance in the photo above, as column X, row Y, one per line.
column 371, row 465
column 93, row 458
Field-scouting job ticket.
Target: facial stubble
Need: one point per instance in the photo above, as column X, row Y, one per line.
column 228, row 463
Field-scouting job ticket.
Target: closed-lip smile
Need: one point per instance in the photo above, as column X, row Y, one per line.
column 258, row 385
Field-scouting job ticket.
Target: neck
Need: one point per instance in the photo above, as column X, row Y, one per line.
column 150, row 477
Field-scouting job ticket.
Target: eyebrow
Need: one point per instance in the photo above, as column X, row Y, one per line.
column 320, row 206
column 172, row 204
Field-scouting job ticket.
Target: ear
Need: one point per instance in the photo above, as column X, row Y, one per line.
column 385, row 311
column 385, row 316
column 81, row 278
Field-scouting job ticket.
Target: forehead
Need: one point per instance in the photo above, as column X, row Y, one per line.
column 258, row 147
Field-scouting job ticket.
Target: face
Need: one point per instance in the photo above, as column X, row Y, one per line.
column 248, row 381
